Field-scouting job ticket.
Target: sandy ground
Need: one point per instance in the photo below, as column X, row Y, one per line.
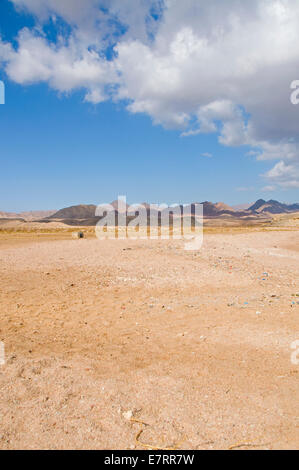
column 98, row 334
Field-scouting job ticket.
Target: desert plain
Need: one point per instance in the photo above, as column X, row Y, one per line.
column 123, row 344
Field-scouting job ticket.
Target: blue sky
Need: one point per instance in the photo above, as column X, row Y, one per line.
column 58, row 149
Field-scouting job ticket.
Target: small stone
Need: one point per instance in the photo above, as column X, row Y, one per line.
column 128, row 414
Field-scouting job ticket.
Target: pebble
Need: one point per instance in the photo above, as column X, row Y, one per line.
column 128, row 414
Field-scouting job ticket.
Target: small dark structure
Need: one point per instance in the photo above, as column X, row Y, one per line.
column 77, row 235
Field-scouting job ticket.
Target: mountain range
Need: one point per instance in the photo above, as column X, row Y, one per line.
column 273, row 207
column 84, row 214
column 210, row 209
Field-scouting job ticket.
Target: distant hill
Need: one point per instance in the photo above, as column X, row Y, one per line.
column 34, row 215
column 8, row 215
column 219, row 208
column 273, row 207
column 241, row 207
column 27, row 216
column 82, row 211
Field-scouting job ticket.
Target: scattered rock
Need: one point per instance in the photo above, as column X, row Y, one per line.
column 128, row 415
